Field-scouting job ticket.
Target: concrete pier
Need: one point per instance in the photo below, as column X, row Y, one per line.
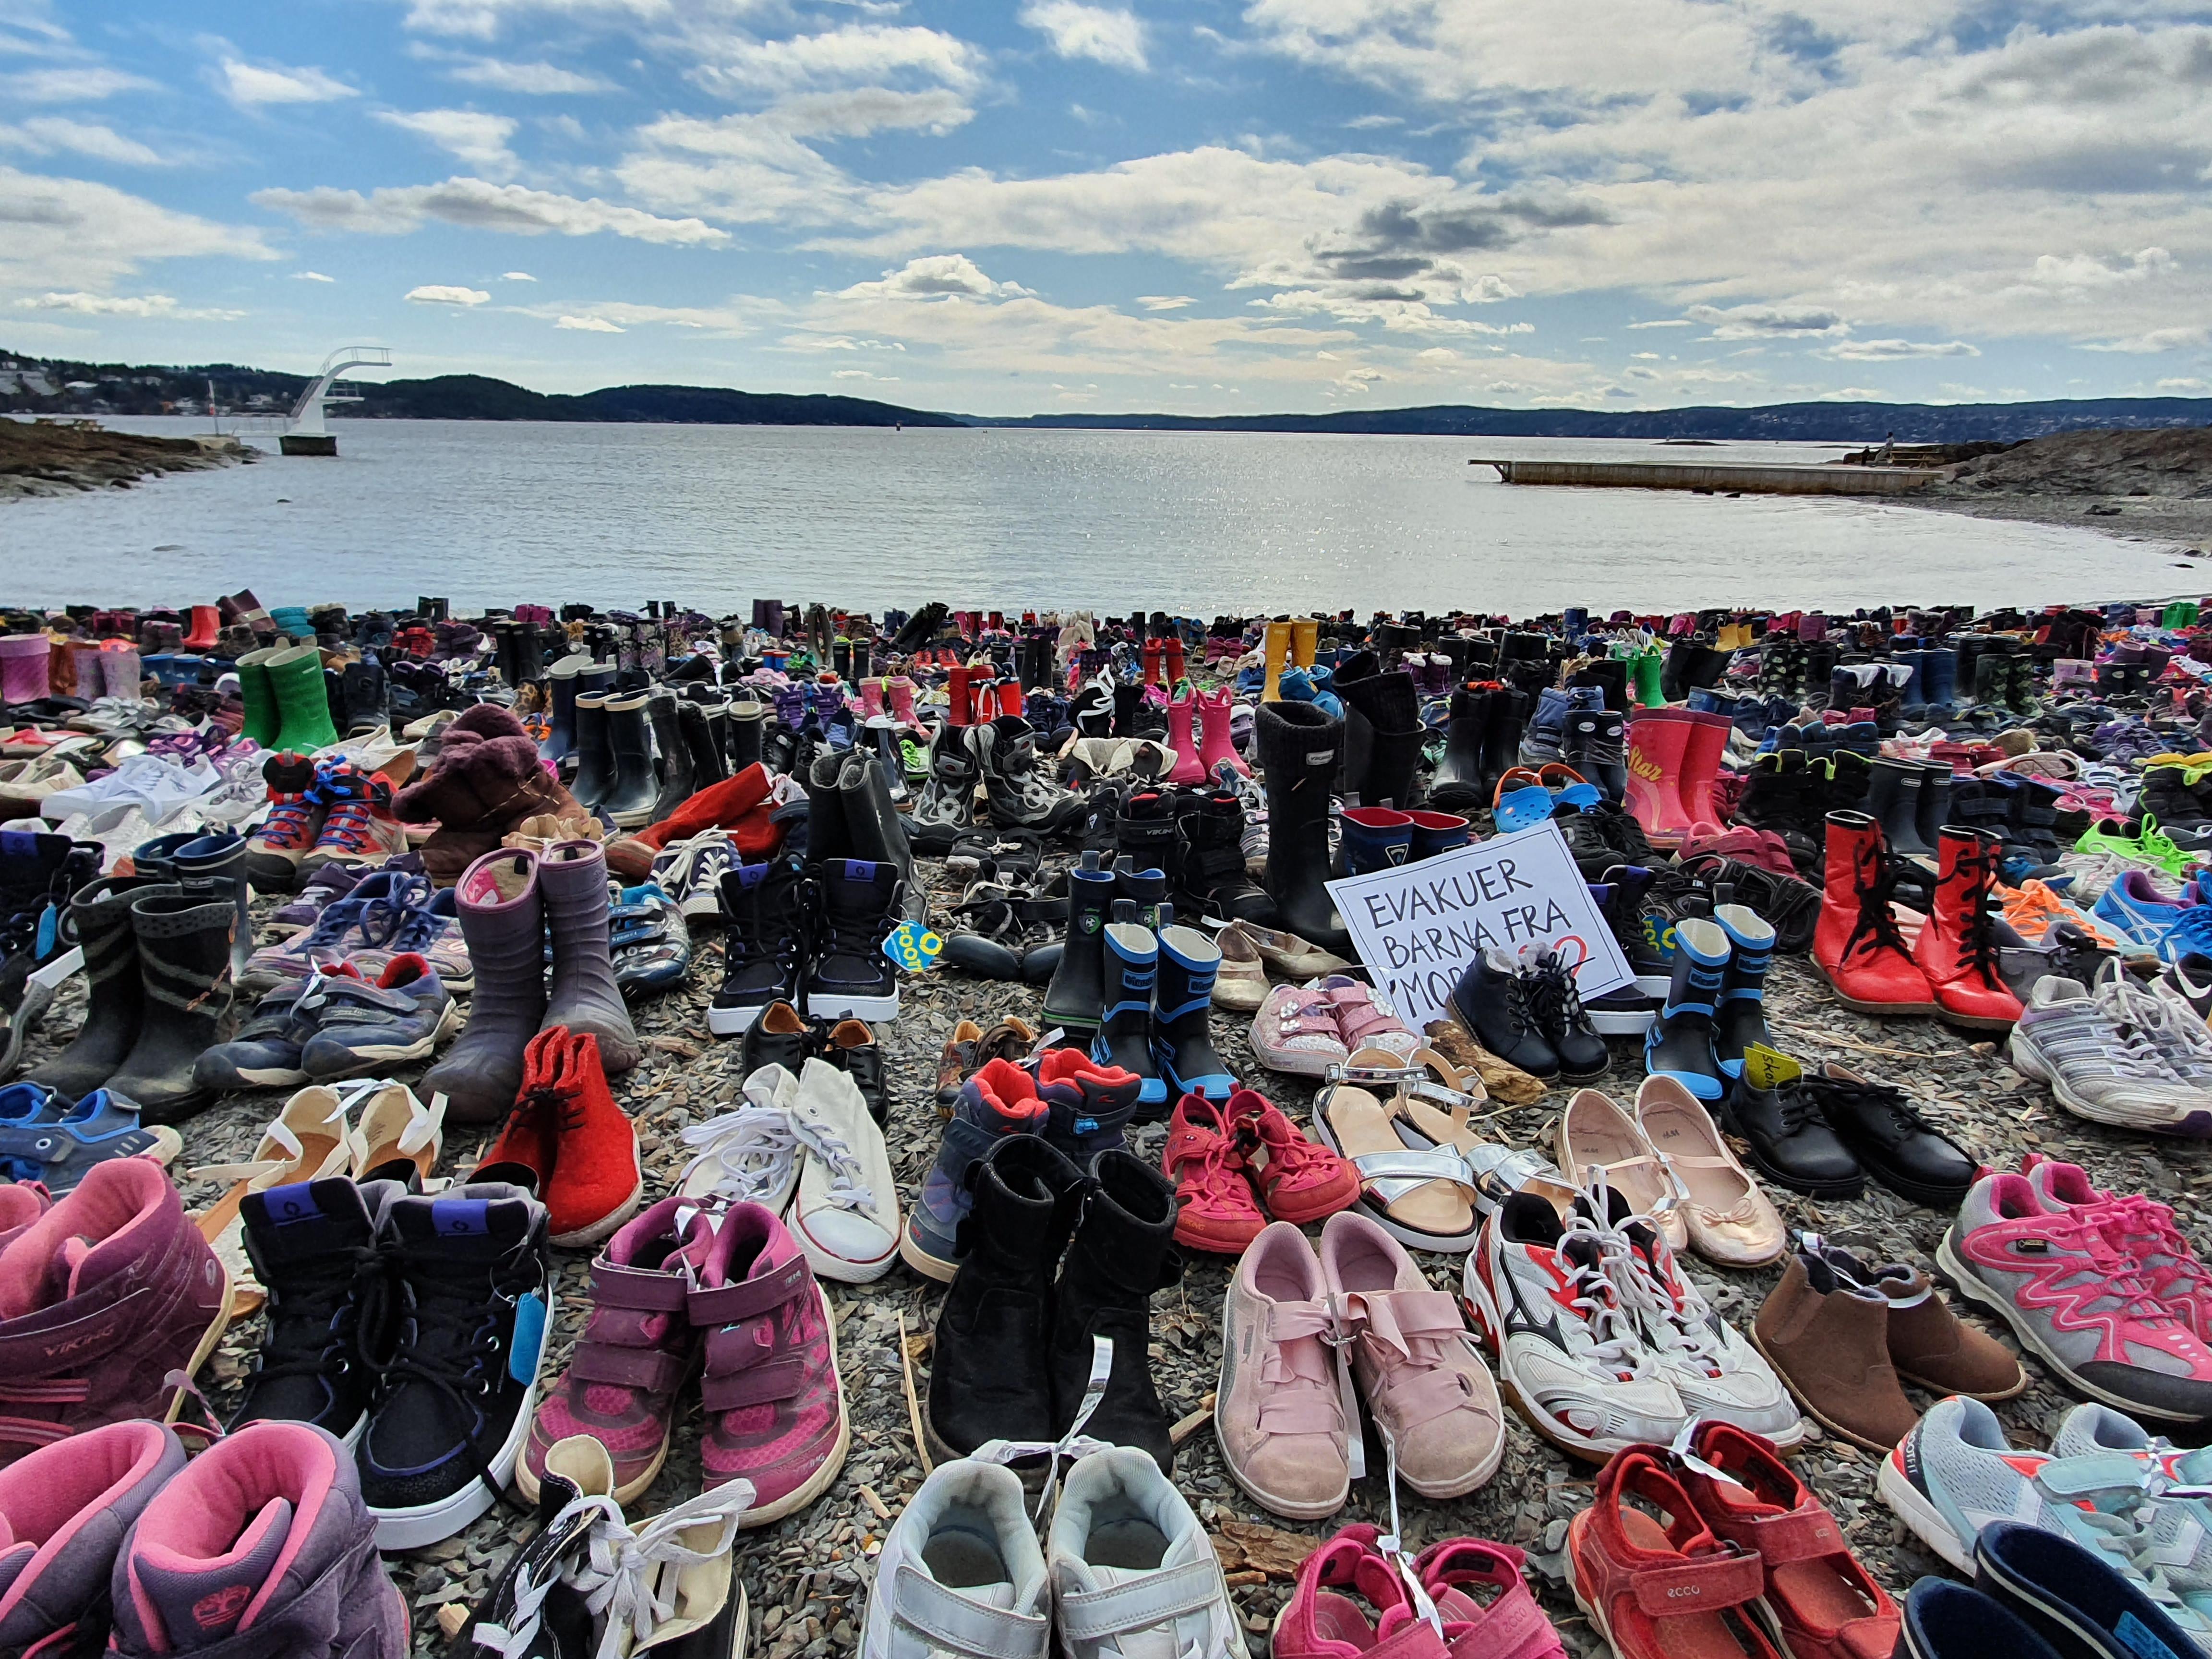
column 1720, row 479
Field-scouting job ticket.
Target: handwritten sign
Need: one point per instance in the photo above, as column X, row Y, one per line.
column 1417, row 926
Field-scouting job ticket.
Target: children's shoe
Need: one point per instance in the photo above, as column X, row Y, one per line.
column 2141, row 1229
column 1278, row 1414
column 1944, row 1620
column 961, row 1565
column 1132, row 1568
column 775, row 1412
column 470, row 1282
column 566, row 1139
column 1001, row 1099
column 44, row 1138
column 845, row 1213
column 361, row 1027
column 357, row 826
column 66, row 1509
column 1457, row 1573
column 1298, row 1181
column 429, row 927
column 261, row 1544
column 1215, row 1209
column 330, row 882
column 288, row 834
column 2072, row 1596
column 1318, row 1622
column 636, row 1350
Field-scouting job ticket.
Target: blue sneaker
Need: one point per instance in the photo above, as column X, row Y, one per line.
column 361, row 1027
column 45, row 1139
column 2133, row 907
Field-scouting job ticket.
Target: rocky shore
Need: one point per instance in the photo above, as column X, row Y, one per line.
column 2153, row 486
column 52, row 458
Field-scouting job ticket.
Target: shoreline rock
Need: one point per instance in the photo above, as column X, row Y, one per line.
column 54, row 457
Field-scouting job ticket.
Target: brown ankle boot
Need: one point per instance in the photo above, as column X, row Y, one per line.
column 1928, row 1345
column 1829, row 1341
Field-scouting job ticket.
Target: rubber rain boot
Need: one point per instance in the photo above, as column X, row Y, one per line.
column 668, row 740
column 1305, row 641
column 1958, row 947
column 503, row 921
column 1935, row 808
column 1275, row 650
column 629, row 801
column 1679, row 1044
column 1701, row 766
column 184, row 960
column 1857, row 946
column 1893, row 802
column 1371, row 838
column 1122, row 1251
column 1458, row 779
column 572, row 877
column 1215, row 749
column 1740, row 1024
column 1182, row 1045
column 1658, row 743
column 264, row 719
column 1298, row 745
column 1125, row 1028
column 100, row 922
column 303, row 700
column 595, row 761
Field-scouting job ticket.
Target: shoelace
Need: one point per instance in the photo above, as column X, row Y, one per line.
column 1607, row 1332
column 752, row 1150
column 1876, row 927
column 631, row 1577
column 1981, row 939
column 384, row 916
column 288, row 823
column 1682, row 1315
column 1214, row 1177
column 2185, row 1044
column 849, row 1188
column 1524, row 1001
column 2131, row 1222
column 1557, row 1000
column 311, row 1315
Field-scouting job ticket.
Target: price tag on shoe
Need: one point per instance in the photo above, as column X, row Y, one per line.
column 914, row 947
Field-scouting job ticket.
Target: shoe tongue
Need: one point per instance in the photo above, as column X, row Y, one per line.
column 74, row 1254
column 479, row 1222
column 201, row 1601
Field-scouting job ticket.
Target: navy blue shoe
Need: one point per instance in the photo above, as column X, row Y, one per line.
column 2074, row 1597
column 1944, row 1620
column 1183, row 998
column 1124, row 1030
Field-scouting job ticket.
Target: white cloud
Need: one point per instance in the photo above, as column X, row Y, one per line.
column 938, row 275
column 2084, row 273
column 445, row 294
column 47, row 135
column 480, row 206
column 477, row 139
column 2156, row 339
column 1164, row 302
column 482, row 19
column 516, row 276
column 70, row 234
column 312, row 276
column 83, row 85
column 538, row 80
column 1103, row 34
column 1887, row 351
column 118, row 305
column 250, row 85
column 591, row 325
column 2185, row 384
column 856, row 54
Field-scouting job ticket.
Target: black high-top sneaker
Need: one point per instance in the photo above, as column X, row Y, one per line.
column 850, row 977
column 768, row 911
column 1021, row 796
column 1496, row 999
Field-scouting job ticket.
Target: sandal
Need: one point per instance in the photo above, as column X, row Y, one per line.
column 1509, row 1625
column 398, row 1138
column 1596, row 1133
column 1423, row 1196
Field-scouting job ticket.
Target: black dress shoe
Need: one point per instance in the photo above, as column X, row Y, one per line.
column 1779, row 1119
column 780, row 1036
column 1891, row 1141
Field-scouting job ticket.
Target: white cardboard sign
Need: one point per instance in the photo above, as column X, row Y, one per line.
column 1417, row 926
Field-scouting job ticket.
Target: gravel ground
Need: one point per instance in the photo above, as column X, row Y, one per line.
column 808, row 1576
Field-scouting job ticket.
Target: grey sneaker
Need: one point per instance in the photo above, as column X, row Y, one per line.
column 961, row 1571
column 2066, row 1038
column 1133, row 1570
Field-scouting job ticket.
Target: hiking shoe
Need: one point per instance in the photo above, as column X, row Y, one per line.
column 2066, row 1039
column 114, row 1289
column 849, row 976
column 261, row 1543
column 1278, row 1411
column 775, row 1413
column 67, row 1509
column 1132, row 1567
column 636, row 1351
column 469, row 1283
column 357, row 826
column 312, row 1245
column 2076, row 1300
column 2141, row 1229
column 1571, row 1357
column 273, row 851
column 2175, row 1539
column 361, row 1027
column 1001, row 1099
column 767, row 910
column 962, row 1558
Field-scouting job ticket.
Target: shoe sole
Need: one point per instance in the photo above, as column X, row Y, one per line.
column 844, row 1270
column 733, row 1022
column 606, row 1227
column 423, row 1524
column 1811, row 1411
column 831, row 1006
column 1628, row 1025
column 818, row 1482
column 209, row 1339
column 929, row 1267
column 1921, row 1517
column 1954, row 1274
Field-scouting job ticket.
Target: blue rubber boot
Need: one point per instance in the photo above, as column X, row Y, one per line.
column 1182, row 1046
column 1125, row 1034
column 1679, row 1044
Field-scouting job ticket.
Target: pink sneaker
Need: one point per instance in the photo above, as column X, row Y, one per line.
column 1278, row 1414
column 1511, row 1627
column 633, row 1354
column 2141, row 1228
column 1415, row 1359
column 776, row 1414
column 1366, row 1019
column 1317, row 1624
column 1295, row 1031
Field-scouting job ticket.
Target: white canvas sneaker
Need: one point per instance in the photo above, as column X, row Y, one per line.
column 749, row 1156
column 960, row 1573
column 845, row 1214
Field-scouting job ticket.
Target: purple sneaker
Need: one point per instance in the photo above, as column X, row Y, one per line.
column 100, row 1299
column 260, row 1548
column 66, row 1508
column 330, row 882
column 999, row 1100
column 634, row 1353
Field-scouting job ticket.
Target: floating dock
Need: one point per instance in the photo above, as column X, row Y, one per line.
column 1721, row 478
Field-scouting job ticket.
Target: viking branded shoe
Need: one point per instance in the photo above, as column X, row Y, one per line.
column 67, row 1509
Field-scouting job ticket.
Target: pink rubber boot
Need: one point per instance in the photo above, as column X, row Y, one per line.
column 1183, row 739
column 901, row 692
column 23, row 666
column 871, row 698
column 1658, row 739
column 1215, row 745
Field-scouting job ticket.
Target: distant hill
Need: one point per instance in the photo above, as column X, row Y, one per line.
column 478, row 398
column 1815, row 422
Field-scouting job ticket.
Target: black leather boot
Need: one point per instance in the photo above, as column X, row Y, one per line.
column 1496, row 999
column 1076, row 998
column 1122, row 1250
column 1298, row 745
column 990, row 1372
column 184, row 962
column 676, row 785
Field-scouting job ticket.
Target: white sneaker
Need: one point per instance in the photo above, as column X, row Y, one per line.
column 691, row 873
column 749, row 1156
column 960, row 1573
column 845, row 1215
column 117, row 829
column 159, row 788
column 1133, row 1574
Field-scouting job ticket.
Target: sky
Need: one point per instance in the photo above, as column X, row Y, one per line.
column 1205, row 206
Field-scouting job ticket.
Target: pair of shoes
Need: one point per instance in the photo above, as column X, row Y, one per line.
column 1447, row 1579
column 1667, row 1161
column 1674, row 760
column 1250, row 952
column 1741, row 1527
column 1045, row 1335
column 781, row 1037
column 1413, row 1152
column 1238, row 1165
column 730, row 1298
column 377, row 907
column 157, row 958
column 332, row 812
column 1715, row 1009
column 1080, row 1107
column 1125, row 1565
column 810, row 936
column 2037, row 1595
column 1842, row 1335
column 2112, row 1053
column 1601, row 1342
column 1524, row 1008
column 566, row 1140
column 1305, row 1029
column 1156, row 1016
column 970, row 1048
column 1280, row 1411
column 1823, row 1135
column 45, row 1140
column 194, row 1550
column 511, row 901
column 2059, row 1261
column 806, row 1147
column 385, row 1303
column 335, row 1024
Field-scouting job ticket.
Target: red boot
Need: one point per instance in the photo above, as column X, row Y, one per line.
column 1956, row 948
column 1701, row 766
column 1658, row 743
column 956, row 692
column 1857, row 946
column 1152, row 653
column 1171, row 663
column 578, row 1150
column 205, row 625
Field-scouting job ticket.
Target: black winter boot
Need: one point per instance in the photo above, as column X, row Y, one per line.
column 1148, row 837
column 1122, row 1250
column 676, row 785
column 1298, row 745
column 1076, row 998
column 1215, row 882
column 100, row 922
column 183, row 961
column 990, row 1367
column 702, row 726
column 1496, row 999
column 827, row 834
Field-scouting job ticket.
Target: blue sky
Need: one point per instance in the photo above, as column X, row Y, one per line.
column 1008, row 206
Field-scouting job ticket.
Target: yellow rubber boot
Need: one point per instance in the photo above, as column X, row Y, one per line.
column 1276, row 644
column 1305, row 639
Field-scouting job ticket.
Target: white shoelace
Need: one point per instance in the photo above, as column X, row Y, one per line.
column 1611, row 1335
column 848, row 1189
column 752, row 1150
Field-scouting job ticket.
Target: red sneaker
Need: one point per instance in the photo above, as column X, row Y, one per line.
column 1216, row 1208
column 1298, row 1180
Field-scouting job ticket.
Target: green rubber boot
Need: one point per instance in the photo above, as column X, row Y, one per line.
column 1648, row 665
column 297, row 676
column 262, row 719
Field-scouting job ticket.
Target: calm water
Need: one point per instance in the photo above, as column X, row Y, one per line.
column 714, row 516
